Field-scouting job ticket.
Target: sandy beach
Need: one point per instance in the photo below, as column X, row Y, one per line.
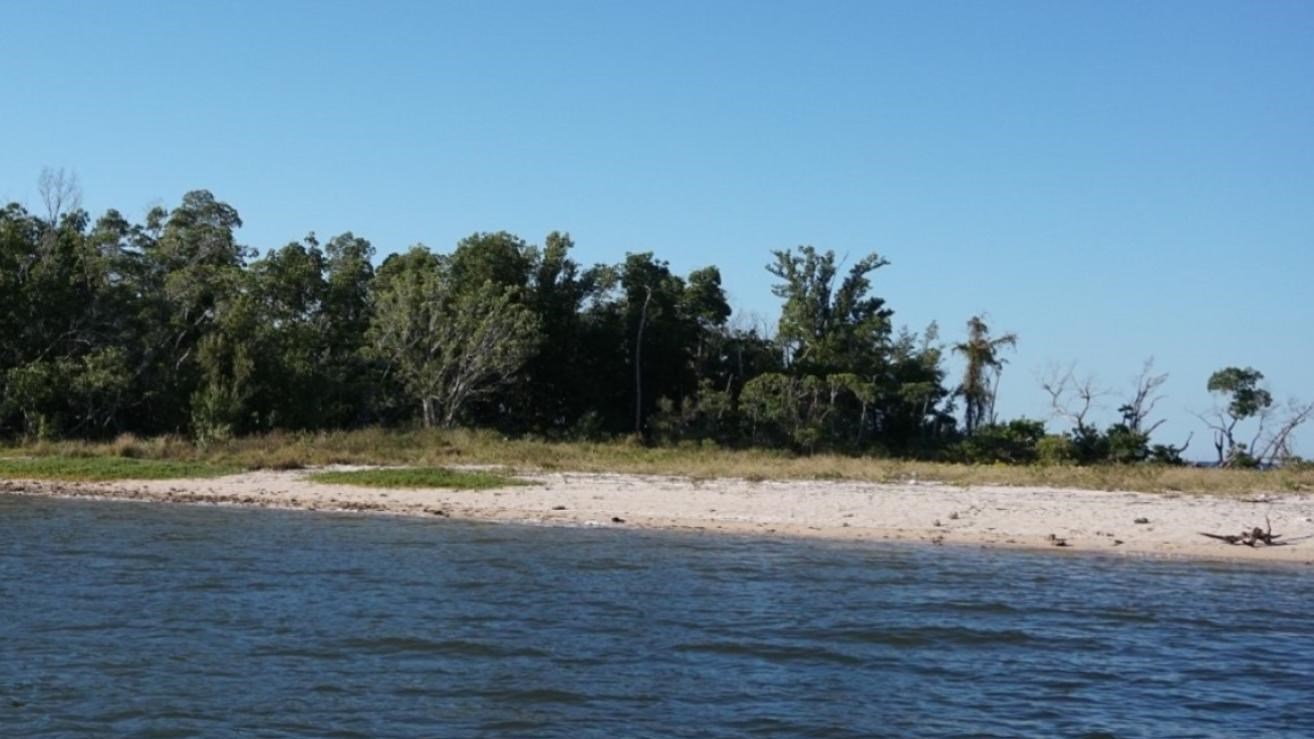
column 1109, row 522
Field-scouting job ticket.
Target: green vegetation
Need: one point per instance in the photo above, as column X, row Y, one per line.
column 102, row 469
column 1246, row 399
column 173, row 330
column 418, row 477
column 442, row 447
column 981, row 374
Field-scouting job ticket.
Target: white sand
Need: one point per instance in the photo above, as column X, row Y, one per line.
column 1088, row 521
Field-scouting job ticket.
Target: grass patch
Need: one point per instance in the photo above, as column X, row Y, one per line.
column 103, row 469
column 418, row 477
column 428, row 448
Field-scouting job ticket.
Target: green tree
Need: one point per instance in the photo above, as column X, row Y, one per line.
column 352, row 379
column 552, row 399
column 449, row 346
column 981, row 375
column 824, row 327
column 65, row 362
column 808, row 413
column 912, row 409
column 666, row 325
column 833, row 326
column 1245, row 398
column 501, row 258
column 295, row 364
column 226, row 361
column 191, row 271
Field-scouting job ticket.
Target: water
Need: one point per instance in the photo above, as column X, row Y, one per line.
column 121, row 619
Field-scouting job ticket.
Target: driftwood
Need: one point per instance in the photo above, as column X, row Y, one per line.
column 1252, row 537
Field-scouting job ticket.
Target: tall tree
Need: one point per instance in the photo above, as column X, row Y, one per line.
column 64, row 314
column 826, row 327
column 1245, row 398
column 352, row 388
column 449, row 345
column 552, row 399
column 913, row 408
column 193, row 273
column 981, row 375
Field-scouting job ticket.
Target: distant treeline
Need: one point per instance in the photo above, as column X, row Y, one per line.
column 171, row 326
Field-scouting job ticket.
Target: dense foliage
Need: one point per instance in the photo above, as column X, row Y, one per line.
column 171, row 326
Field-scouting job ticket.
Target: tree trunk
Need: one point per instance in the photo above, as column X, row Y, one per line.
column 638, row 366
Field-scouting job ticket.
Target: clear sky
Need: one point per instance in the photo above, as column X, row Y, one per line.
column 1109, row 180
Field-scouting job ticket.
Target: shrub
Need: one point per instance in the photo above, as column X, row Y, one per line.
column 1055, row 449
column 1012, row 443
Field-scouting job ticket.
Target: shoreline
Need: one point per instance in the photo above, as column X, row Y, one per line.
column 1103, row 522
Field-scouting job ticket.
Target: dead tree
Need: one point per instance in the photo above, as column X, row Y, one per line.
column 1136, row 412
column 1169, row 452
column 1071, row 398
column 60, row 193
column 1276, row 446
column 1269, row 446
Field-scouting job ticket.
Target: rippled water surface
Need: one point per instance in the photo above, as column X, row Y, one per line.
column 120, row 619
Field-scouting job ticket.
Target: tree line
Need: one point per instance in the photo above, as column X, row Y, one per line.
column 171, row 326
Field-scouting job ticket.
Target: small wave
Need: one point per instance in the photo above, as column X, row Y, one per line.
column 539, row 695
column 453, row 647
column 298, row 653
column 513, row 725
column 771, row 652
column 770, row 726
column 931, row 635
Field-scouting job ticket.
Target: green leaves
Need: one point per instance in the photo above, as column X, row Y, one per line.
column 1241, row 386
column 450, row 343
column 808, row 412
column 172, row 325
column 981, row 373
column 824, row 327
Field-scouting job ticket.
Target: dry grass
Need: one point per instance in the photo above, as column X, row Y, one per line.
column 437, row 448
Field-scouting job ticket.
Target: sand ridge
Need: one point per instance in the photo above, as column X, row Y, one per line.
column 1114, row 522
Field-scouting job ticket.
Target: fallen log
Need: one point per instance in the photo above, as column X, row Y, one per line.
column 1250, row 538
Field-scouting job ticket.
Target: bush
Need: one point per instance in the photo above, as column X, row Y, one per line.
column 1240, row 458
column 1055, row 449
column 1118, row 445
column 1012, row 443
column 1126, row 446
column 1167, row 455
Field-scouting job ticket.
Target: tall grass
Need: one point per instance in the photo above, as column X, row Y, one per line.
column 436, row 448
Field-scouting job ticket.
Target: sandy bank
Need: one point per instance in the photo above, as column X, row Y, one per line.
column 1086, row 521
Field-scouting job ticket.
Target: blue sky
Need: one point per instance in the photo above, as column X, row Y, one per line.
column 1109, row 180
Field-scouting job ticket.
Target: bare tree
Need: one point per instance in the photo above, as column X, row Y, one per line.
column 1136, row 412
column 1274, row 448
column 1070, row 397
column 1222, row 427
column 60, row 193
